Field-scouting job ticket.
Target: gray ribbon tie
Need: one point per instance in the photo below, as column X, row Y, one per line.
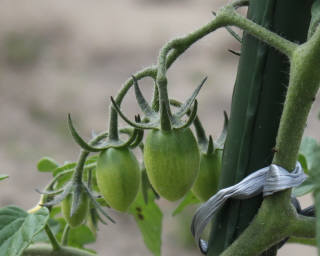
column 267, row 180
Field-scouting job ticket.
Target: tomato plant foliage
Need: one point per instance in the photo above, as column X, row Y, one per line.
column 176, row 164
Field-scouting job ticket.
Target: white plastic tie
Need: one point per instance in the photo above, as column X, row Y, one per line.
column 267, row 180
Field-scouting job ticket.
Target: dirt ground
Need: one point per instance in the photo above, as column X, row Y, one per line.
column 59, row 57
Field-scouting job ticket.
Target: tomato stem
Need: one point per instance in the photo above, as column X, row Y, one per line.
column 276, row 211
column 46, row 250
column 65, row 235
column 53, row 240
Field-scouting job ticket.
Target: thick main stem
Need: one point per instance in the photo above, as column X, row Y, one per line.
column 303, row 86
column 256, row 109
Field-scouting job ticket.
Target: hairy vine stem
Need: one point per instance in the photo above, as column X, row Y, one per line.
column 276, row 218
column 77, row 177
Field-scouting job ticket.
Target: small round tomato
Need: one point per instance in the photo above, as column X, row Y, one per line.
column 172, row 161
column 206, row 184
column 118, row 177
column 80, row 215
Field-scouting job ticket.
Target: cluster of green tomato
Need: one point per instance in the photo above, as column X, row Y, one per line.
column 174, row 165
column 175, row 162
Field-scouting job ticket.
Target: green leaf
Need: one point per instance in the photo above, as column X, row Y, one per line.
column 47, row 164
column 309, row 157
column 149, row 220
column 90, row 163
column 18, row 228
column 189, row 199
column 55, row 211
column 315, row 18
column 67, row 166
column 78, row 237
column 310, row 149
column 303, row 161
column 306, row 187
column 3, row 176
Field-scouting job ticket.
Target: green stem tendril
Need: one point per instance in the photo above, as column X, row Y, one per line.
column 65, row 235
column 113, row 118
column 55, row 244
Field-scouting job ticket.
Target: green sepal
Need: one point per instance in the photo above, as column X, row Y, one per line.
column 219, row 143
column 146, row 109
column 149, row 125
column 188, row 103
column 97, row 205
column 192, row 116
column 86, row 146
column 210, row 149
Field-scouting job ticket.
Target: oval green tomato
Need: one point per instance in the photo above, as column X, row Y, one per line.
column 80, row 215
column 118, row 177
column 172, row 162
column 206, row 184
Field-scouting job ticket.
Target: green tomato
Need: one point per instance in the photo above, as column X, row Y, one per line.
column 206, row 184
column 118, row 177
column 172, row 161
column 80, row 215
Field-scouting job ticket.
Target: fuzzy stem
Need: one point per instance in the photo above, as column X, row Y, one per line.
column 77, row 176
column 302, row 90
column 304, row 227
column 55, row 244
column 269, row 227
column 276, row 214
column 46, row 250
column 113, row 118
column 176, row 47
column 265, row 35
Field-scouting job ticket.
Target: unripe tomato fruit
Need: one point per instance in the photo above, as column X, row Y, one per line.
column 172, row 161
column 118, row 177
column 80, row 215
column 206, row 184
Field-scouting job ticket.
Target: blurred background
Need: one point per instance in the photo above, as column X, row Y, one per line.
column 58, row 57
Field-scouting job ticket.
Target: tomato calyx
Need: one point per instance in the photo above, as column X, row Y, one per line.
column 162, row 119
column 206, row 184
column 78, row 190
column 134, row 139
